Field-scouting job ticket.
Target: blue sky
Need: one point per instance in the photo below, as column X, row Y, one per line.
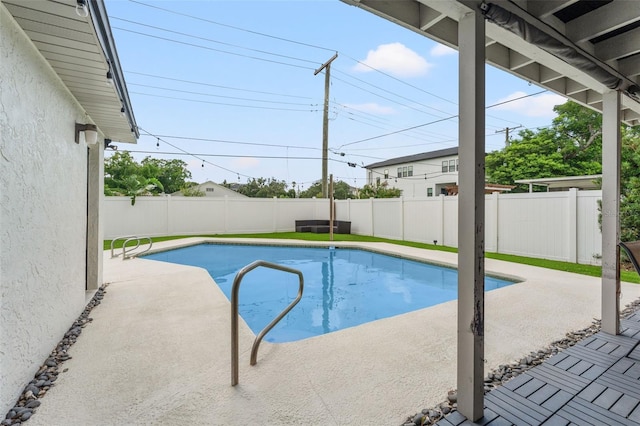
column 233, row 83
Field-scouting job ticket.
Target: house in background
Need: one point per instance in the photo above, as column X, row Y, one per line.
column 213, row 190
column 62, row 101
column 420, row 175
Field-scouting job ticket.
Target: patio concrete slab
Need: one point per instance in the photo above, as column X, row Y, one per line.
column 158, row 350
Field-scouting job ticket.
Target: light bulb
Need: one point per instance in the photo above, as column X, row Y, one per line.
column 81, row 9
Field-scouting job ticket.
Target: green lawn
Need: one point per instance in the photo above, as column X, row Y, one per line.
column 595, row 271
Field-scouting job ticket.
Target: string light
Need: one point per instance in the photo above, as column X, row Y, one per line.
column 82, row 10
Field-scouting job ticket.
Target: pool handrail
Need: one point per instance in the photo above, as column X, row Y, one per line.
column 113, row 242
column 235, row 315
column 137, row 240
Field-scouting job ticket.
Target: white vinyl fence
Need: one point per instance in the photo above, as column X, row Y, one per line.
column 551, row 225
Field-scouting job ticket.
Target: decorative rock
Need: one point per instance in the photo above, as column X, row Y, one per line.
column 48, row 371
column 33, row 404
column 418, row 419
column 452, row 396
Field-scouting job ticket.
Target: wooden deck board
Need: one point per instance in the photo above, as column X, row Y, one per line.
column 596, row 382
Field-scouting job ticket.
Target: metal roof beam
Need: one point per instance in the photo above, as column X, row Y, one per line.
column 610, row 17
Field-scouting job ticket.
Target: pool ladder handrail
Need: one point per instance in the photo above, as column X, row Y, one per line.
column 128, row 239
column 235, row 315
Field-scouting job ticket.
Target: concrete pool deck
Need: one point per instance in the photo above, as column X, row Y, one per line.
column 158, row 350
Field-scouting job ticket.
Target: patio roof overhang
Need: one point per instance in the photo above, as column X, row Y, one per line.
column 585, row 50
column 81, row 51
column 580, row 182
column 605, row 33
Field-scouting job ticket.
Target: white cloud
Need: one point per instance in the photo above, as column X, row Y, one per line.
column 535, row 106
column 372, row 108
column 396, row 59
column 245, row 163
column 442, row 50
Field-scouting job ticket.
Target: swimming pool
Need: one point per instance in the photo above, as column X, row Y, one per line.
column 343, row 287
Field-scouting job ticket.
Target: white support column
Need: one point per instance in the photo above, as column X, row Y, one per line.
column 95, row 231
column 611, row 147
column 471, row 39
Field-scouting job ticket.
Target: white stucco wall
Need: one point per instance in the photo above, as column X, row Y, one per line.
column 43, row 210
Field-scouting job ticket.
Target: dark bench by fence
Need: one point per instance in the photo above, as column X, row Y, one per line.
column 322, row 226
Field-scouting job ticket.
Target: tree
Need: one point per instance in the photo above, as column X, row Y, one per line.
column 315, row 190
column 630, row 185
column 189, row 190
column 118, row 167
column 341, row 190
column 571, row 146
column 379, row 191
column 265, row 188
column 134, row 186
column 171, row 173
column 153, row 176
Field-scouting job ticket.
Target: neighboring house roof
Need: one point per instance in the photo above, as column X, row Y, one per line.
column 580, row 182
column 81, row 50
column 447, row 152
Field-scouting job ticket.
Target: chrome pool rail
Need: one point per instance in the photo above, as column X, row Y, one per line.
column 125, row 249
column 235, row 315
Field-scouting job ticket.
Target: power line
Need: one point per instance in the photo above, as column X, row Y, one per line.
column 218, row 96
column 233, row 27
column 437, row 121
column 216, row 85
column 213, row 41
column 223, row 104
column 212, row 49
column 235, row 142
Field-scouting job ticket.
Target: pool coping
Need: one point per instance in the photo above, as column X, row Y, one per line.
column 338, row 244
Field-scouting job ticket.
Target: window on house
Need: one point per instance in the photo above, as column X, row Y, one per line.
column 452, row 165
column 410, row 171
column 445, row 166
column 456, row 165
column 210, row 189
column 378, row 181
column 386, row 173
column 399, row 171
column 429, row 192
column 404, row 171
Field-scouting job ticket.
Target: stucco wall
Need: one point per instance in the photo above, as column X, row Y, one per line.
column 43, row 192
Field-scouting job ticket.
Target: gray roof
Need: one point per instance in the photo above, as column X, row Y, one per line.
column 415, row 157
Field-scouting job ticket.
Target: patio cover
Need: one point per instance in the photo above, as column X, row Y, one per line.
column 585, row 50
column 563, row 183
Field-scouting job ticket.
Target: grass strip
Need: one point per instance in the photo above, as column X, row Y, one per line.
column 576, row 268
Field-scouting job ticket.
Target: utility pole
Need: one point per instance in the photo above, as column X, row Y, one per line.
column 506, row 133
column 325, row 121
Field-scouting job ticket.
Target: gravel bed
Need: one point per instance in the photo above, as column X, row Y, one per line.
column 506, row 372
column 45, row 378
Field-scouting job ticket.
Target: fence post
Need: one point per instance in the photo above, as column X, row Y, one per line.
column 169, row 218
column 373, row 234
column 495, row 196
column 402, row 218
column 275, row 214
column 226, row 214
column 572, row 222
column 442, row 219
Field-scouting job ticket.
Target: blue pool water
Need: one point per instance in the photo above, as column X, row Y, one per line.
column 342, row 287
